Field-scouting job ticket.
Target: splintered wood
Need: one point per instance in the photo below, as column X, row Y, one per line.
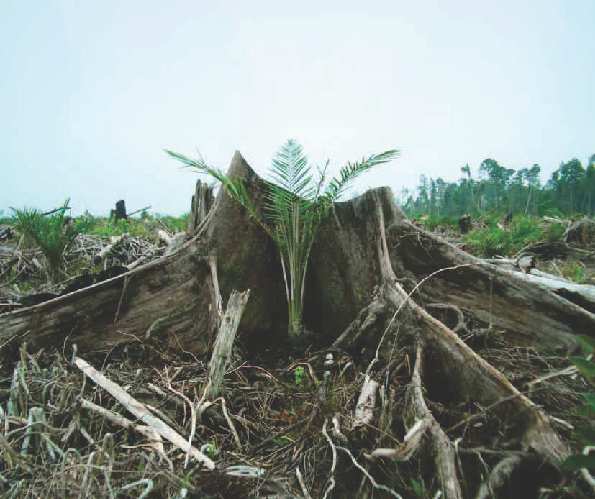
column 224, row 343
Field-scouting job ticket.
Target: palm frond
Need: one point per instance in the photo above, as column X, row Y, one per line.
column 288, row 195
column 291, row 171
column 198, row 164
column 336, row 187
column 235, row 187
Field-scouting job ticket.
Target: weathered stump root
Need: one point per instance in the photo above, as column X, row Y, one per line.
column 475, row 379
column 442, row 447
column 393, row 315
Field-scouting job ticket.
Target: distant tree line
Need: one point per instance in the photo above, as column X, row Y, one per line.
column 570, row 190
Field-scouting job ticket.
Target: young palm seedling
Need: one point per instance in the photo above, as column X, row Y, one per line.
column 296, row 202
column 53, row 233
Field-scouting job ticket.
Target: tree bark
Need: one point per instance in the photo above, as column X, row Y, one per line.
column 169, row 298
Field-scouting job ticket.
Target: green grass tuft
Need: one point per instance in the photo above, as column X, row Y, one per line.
column 493, row 240
column 53, row 234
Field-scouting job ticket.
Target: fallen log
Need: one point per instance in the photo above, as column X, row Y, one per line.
column 171, row 292
column 580, row 294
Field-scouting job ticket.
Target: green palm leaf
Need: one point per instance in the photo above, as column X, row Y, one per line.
column 235, row 187
column 336, row 187
column 290, row 170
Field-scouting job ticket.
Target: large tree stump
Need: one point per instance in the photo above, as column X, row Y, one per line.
column 120, row 212
column 343, row 275
column 373, row 278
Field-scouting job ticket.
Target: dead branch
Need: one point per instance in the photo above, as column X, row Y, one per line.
column 410, row 444
column 139, row 210
column 149, row 432
column 224, row 343
column 142, row 412
column 364, row 409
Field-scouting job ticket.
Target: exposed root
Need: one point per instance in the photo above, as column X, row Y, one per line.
column 410, row 445
column 270, row 428
column 460, row 327
column 443, row 450
column 367, row 419
column 477, row 379
column 300, row 479
column 331, row 480
column 367, row 321
column 499, row 477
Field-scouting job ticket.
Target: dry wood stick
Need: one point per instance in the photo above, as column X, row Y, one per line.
column 224, row 343
column 142, row 412
column 139, row 210
column 147, row 431
column 364, row 409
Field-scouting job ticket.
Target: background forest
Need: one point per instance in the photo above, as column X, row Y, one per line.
column 569, row 191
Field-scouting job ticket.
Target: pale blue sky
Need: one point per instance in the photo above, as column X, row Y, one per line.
column 92, row 91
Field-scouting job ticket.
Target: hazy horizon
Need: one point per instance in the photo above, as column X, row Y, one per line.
column 92, row 93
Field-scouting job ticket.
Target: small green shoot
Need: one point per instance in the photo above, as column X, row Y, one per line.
column 210, row 450
column 299, row 375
